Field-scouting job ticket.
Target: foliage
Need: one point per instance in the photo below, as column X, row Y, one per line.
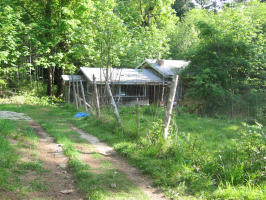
column 148, row 24
column 94, row 185
column 206, row 158
column 185, row 34
column 182, row 6
column 31, row 98
column 42, row 40
column 11, row 166
column 227, row 62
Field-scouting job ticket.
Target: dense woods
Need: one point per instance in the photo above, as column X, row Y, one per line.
column 224, row 40
column 214, row 142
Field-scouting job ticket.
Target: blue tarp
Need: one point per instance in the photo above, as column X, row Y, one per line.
column 80, row 114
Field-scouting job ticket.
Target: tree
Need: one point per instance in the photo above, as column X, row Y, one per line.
column 182, row 6
column 228, row 60
column 11, row 29
column 148, row 24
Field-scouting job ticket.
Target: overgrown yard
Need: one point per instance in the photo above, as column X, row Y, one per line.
column 206, row 159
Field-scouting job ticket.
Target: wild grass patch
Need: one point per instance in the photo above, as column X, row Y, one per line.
column 8, row 156
column 106, row 183
column 11, row 166
column 203, row 157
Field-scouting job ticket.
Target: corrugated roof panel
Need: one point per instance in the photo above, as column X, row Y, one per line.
column 168, row 68
column 121, row 76
column 71, row 77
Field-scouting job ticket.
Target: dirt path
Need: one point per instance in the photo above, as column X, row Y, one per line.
column 133, row 174
column 61, row 184
column 13, row 115
column 60, row 181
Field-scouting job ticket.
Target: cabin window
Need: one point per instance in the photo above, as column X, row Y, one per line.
column 131, row 91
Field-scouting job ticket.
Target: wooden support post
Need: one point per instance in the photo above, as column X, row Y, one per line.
column 169, row 109
column 162, row 97
column 96, row 97
column 65, row 92
column 87, row 87
column 78, row 96
column 75, row 94
column 137, row 115
column 109, row 92
column 68, row 93
column 83, row 96
column 88, row 105
column 154, row 94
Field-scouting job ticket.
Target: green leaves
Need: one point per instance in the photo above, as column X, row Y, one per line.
column 226, row 57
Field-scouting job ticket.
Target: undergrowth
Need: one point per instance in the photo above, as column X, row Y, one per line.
column 95, row 186
column 203, row 158
column 11, row 165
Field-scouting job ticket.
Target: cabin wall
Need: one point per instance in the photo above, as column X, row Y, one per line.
column 127, row 94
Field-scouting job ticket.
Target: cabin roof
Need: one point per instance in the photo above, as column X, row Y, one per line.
column 168, row 68
column 122, row 76
column 70, row 78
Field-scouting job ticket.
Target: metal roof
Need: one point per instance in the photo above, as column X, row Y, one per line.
column 71, row 78
column 168, row 68
column 122, row 75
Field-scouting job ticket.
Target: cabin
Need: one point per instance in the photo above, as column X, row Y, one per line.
column 148, row 83
column 165, row 69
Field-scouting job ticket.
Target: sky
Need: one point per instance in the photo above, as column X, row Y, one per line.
column 218, row 3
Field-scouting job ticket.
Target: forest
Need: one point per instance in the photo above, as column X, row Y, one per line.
column 216, row 146
column 42, row 40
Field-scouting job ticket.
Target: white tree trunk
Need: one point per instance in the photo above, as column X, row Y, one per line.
column 169, row 109
column 109, row 92
column 75, row 94
column 83, row 96
column 96, row 97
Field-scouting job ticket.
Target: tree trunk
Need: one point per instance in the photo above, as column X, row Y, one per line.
column 50, row 82
column 109, row 92
column 48, row 14
column 170, row 103
column 96, row 97
column 60, row 83
column 75, row 94
column 83, row 96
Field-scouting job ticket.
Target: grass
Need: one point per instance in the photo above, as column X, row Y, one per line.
column 39, row 185
column 32, row 166
column 12, row 169
column 107, row 183
column 206, row 159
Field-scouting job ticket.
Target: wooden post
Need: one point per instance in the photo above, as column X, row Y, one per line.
column 88, row 105
column 169, row 109
column 162, row 97
column 96, row 97
column 78, row 96
column 83, row 96
column 65, row 92
column 87, row 87
column 75, row 94
column 68, row 93
column 137, row 115
column 154, row 94
column 109, row 92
